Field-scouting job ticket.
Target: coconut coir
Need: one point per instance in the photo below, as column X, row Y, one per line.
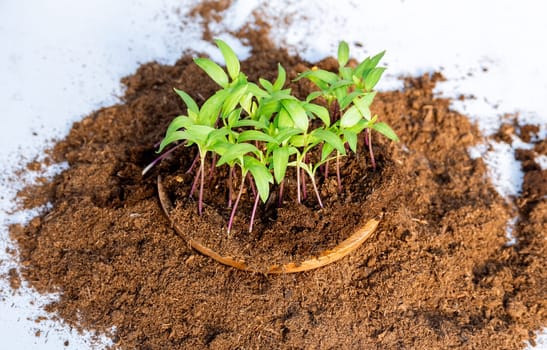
column 437, row 273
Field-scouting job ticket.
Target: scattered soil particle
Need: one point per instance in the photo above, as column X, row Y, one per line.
column 14, row 279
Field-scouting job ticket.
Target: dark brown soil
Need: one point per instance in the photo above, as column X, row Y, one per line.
column 437, row 274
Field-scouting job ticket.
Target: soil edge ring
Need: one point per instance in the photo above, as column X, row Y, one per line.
column 326, row 257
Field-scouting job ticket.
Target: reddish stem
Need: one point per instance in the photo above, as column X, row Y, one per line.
column 370, row 149
column 230, row 189
column 338, row 177
column 193, row 164
column 280, row 199
column 235, row 205
column 194, row 184
column 213, row 165
column 202, row 174
column 304, row 191
column 298, row 183
column 252, row 184
column 257, row 197
column 316, row 191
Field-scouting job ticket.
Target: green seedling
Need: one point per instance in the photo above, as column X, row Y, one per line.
column 260, row 130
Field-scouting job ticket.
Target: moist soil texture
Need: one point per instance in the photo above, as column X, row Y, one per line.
column 438, row 272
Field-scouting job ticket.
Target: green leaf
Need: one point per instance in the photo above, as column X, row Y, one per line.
column 299, row 141
column 297, row 114
column 198, row 133
column 261, row 177
column 369, row 63
column 285, row 134
column 386, row 130
column 256, row 90
column 373, row 77
column 345, row 102
column 281, row 77
column 343, row 53
column 170, row 138
column 284, row 119
column 220, row 148
column 266, row 84
column 255, row 135
column 312, row 96
column 179, row 122
column 191, row 105
column 351, row 138
column 246, row 103
column 350, row 118
column 326, row 150
column 216, row 136
column 233, row 117
column 330, row 138
column 360, row 126
column 319, row 111
column 280, row 161
column 320, row 74
column 269, row 108
column 230, row 57
column 233, row 99
column 237, row 151
column 257, row 124
column 210, row 110
column 346, row 73
column 214, row 71
column 363, row 104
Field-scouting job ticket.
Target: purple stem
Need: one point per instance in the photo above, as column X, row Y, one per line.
column 213, row 165
column 251, row 182
column 230, row 189
column 316, row 191
column 338, row 177
column 298, row 183
column 193, row 164
column 370, row 149
column 253, row 214
column 202, row 173
column 304, row 191
column 235, row 205
column 194, row 183
column 280, row 199
column 160, row 158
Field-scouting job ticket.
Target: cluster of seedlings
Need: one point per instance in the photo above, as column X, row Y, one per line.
column 260, row 130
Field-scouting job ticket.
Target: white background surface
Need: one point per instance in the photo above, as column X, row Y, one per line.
column 61, row 59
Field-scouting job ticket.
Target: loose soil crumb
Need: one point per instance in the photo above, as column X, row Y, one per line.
column 437, row 273
column 14, row 279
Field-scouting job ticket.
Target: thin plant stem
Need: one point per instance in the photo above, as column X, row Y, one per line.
column 235, row 204
column 194, row 183
column 338, row 177
column 252, row 184
column 298, row 183
column 192, row 166
column 160, row 158
column 280, row 199
column 213, row 165
column 316, row 191
column 370, row 149
column 326, row 169
column 202, row 174
column 257, row 197
column 304, row 191
column 230, row 188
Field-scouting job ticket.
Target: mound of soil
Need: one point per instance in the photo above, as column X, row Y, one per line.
column 436, row 274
